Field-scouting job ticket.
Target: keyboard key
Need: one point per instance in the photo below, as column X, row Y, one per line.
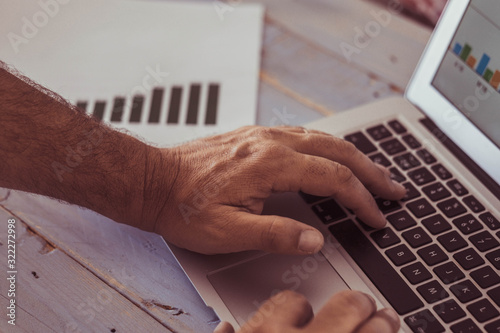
column 380, row 158
column 361, row 142
column 421, row 207
column 387, row 206
column 411, row 192
column 494, row 258
column 436, row 224
column 424, row 322
column 457, row 187
column 485, row 277
column 309, row 198
column 406, row 161
column 468, row 258
column 329, row 211
column 452, row 241
column 401, row 220
column 426, row 156
column 385, row 237
column 449, row 272
column 416, row 273
column 490, row 221
column 467, row 224
column 432, row 292
column 484, row 241
column 416, row 237
column 483, row 310
column 379, row 132
column 441, row 172
column 473, row 204
column 451, row 207
column 465, row 291
column 376, row 267
column 466, row 326
column 432, row 254
column 397, row 127
column 449, row 311
column 493, row 327
column 392, row 147
column 436, row 191
column 400, row 255
column 495, row 295
column 411, row 141
column 421, row 176
column 396, row 175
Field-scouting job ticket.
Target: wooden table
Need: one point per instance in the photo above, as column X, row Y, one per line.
column 80, row 272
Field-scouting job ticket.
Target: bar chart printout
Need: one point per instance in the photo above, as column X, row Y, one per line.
column 195, row 105
column 490, row 75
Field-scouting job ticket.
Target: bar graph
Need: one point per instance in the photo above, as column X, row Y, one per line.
column 490, row 75
column 163, row 103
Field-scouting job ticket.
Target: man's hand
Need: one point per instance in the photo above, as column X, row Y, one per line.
column 217, row 187
column 345, row 312
column 205, row 196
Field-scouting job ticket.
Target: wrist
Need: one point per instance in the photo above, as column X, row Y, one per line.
column 160, row 174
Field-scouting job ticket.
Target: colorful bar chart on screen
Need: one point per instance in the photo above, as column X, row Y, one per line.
column 490, row 75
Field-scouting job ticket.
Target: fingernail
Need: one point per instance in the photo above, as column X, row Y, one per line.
column 371, row 300
column 310, row 241
column 382, row 217
column 392, row 316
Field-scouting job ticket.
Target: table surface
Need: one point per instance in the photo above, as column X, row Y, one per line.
column 81, row 272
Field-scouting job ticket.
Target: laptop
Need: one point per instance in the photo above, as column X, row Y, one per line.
column 437, row 261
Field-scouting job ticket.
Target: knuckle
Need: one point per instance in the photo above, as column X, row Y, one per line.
column 269, row 133
column 269, row 235
column 346, row 148
column 272, row 151
column 343, row 174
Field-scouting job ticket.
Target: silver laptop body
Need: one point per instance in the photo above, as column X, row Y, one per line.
column 452, row 111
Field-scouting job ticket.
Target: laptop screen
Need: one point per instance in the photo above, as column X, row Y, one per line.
column 469, row 74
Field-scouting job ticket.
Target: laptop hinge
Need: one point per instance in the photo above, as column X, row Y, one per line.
column 476, row 170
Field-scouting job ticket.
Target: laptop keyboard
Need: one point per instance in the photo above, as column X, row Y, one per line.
column 437, row 260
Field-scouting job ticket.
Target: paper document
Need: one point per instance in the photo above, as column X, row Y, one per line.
column 166, row 71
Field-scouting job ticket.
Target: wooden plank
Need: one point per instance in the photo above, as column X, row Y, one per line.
column 276, row 108
column 313, row 77
column 54, row 293
column 135, row 263
column 391, row 52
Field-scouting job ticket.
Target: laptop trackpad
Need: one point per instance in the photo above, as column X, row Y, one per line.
column 245, row 286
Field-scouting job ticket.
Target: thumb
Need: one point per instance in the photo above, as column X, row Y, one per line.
column 279, row 234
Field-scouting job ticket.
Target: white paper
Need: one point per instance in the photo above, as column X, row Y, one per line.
column 91, row 50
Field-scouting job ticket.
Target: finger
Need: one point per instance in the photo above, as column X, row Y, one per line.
column 345, row 311
column 369, row 173
column 322, row 177
column 384, row 321
column 285, row 311
column 274, row 234
column 224, row 327
column 289, row 309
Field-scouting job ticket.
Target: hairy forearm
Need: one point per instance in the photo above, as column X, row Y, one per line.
column 50, row 148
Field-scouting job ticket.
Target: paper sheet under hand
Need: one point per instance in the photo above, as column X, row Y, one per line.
column 166, row 71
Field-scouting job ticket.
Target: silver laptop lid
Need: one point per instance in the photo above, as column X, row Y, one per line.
column 457, row 81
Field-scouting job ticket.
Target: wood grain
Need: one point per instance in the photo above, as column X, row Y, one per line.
column 55, row 293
